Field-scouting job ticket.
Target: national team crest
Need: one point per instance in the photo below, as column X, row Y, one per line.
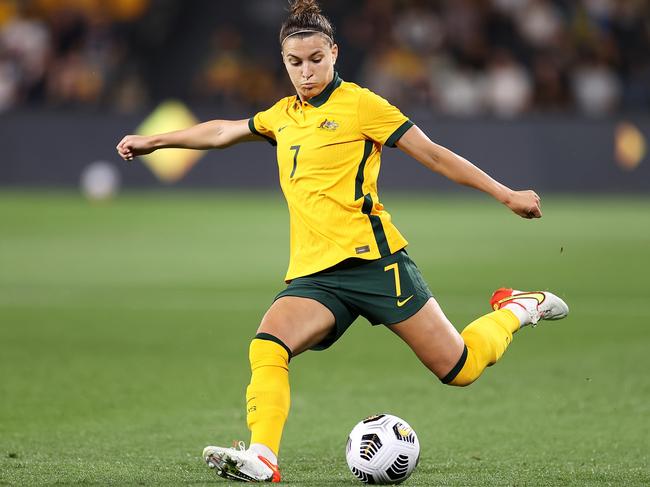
column 329, row 125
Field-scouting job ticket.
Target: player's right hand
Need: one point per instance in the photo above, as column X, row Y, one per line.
column 134, row 145
column 526, row 204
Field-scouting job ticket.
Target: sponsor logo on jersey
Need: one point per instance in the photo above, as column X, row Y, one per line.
column 362, row 250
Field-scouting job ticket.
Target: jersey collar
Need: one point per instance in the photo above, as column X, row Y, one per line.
column 320, row 100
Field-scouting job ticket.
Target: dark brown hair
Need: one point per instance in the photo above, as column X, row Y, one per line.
column 306, row 15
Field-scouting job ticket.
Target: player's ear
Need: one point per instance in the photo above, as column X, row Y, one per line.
column 284, row 59
column 335, row 53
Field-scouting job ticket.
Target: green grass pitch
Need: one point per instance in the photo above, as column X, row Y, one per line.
column 124, row 330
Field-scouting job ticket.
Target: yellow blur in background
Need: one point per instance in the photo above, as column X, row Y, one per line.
column 630, row 146
column 172, row 164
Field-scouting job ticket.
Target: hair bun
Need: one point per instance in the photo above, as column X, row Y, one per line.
column 305, row 18
column 305, row 7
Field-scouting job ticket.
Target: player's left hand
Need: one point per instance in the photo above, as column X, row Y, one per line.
column 526, row 204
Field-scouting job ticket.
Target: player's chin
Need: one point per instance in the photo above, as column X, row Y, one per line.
column 309, row 91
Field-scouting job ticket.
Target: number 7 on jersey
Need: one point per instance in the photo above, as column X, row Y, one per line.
column 295, row 159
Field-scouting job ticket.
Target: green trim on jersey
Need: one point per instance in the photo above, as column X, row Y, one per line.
column 358, row 184
column 320, row 100
column 377, row 226
column 402, row 129
column 366, row 209
column 251, row 127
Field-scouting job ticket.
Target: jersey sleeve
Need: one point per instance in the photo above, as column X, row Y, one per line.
column 380, row 121
column 263, row 122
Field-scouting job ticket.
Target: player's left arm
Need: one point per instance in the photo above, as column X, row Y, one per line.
column 416, row 144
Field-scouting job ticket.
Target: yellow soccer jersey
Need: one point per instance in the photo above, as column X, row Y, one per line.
column 328, row 151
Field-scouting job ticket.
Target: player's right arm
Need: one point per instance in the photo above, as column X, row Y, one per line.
column 215, row 134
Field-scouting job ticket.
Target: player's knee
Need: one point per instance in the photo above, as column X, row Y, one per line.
column 465, row 372
column 268, row 351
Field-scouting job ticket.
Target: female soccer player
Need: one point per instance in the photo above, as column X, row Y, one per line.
column 346, row 257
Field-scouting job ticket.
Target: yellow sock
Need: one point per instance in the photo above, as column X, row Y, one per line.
column 267, row 396
column 486, row 340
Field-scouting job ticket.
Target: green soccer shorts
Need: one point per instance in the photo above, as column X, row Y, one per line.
column 384, row 291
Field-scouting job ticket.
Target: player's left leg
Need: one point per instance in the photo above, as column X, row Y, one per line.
column 482, row 343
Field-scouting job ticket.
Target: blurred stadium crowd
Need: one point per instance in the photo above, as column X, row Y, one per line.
column 447, row 57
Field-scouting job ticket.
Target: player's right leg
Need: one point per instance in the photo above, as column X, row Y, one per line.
column 291, row 325
column 482, row 343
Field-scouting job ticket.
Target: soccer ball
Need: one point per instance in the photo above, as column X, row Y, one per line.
column 382, row 449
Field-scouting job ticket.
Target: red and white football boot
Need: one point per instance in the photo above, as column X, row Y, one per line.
column 240, row 464
column 538, row 305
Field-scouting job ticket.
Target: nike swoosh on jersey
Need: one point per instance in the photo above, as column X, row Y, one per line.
column 401, row 303
column 282, row 128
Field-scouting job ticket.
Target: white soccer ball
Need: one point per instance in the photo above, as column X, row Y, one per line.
column 382, row 449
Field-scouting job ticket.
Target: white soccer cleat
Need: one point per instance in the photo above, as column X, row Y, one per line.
column 240, row 464
column 540, row 305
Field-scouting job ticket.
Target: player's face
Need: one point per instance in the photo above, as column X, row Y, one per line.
column 310, row 64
